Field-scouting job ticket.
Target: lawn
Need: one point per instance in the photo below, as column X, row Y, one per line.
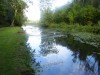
column 14, row 54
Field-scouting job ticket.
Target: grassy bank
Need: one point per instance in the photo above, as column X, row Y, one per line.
column 87, row 34
column 14, row 55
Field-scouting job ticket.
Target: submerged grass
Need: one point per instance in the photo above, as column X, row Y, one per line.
column 14, row 55
column 88, row 34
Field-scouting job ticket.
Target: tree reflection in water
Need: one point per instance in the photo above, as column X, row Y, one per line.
column 86, row 55
column 71, row 55
column 48, row 45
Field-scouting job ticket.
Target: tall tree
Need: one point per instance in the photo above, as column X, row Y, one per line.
column 17, row 6
column 11, row 10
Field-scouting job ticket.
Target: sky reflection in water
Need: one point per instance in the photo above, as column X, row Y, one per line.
column 51, row 57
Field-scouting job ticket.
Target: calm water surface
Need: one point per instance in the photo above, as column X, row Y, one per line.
column 55, row 53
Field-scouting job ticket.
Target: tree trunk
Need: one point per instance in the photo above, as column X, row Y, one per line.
column 12, row 23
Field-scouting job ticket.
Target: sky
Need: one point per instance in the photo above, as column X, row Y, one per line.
column 33, row 11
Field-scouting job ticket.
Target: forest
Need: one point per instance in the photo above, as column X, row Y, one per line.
column 81, row 13
column 11, row 12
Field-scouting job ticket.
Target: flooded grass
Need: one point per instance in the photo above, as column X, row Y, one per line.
column 14, row 55
column 87, row 34
column 89, row 38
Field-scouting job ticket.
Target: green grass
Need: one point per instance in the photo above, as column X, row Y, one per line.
column 14, row 55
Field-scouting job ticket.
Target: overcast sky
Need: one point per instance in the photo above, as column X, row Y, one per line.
column 33, row 11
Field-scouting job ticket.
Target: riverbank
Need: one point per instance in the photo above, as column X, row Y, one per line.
column 14, row 54
column 85, row 34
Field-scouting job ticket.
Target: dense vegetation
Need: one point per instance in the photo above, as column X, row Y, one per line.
column 81, row 19
column 81, row 12
column 11, row 12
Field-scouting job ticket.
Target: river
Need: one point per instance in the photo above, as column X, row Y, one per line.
column 56, row 53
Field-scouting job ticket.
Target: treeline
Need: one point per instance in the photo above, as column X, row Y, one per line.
column 82, row 12
column 11, row 12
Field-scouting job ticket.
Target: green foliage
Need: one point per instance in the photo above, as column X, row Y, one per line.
column 19, row 19
column 47, row 17
column 83, row 12
column 86, row 15
column 10, row 10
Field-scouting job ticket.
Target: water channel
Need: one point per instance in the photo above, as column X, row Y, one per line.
column 55, row 53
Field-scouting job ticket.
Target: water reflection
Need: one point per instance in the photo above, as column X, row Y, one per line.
column 83, row 54
column 48, row 46
column 56, row 54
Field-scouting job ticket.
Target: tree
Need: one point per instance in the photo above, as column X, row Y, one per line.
column 17, row 6
column 45, row 5
column 10, row 10
column 84, row 12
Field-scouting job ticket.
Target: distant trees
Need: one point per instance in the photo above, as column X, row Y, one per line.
column 86, row 15
column 11, row 12
column 45, row 4
column 83, row 12
column 46, row 13
column 47, row 16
